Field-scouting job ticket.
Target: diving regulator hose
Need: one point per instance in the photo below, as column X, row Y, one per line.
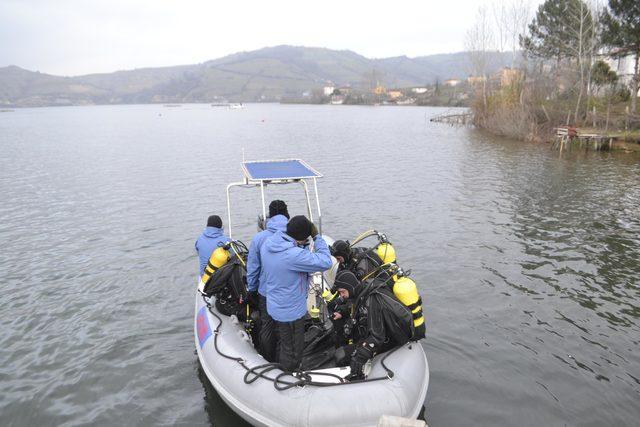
column 281, row 381
column 297, row 378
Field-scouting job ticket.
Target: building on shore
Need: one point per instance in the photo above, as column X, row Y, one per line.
column 624, row 68
column 476, row 80
column 452, row 82
column 508, row 76
column 328, row 90
column 379, row 90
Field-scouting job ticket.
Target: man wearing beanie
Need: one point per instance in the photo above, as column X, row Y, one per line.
column 277, row 221
column 286, row 264
column 209, row 240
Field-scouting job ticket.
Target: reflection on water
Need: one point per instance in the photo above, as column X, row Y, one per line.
column 218, row 412
column 528, row 262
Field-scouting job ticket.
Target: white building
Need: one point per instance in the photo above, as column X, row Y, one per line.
column 624, row 68
column 328, row 90
column 419, row 90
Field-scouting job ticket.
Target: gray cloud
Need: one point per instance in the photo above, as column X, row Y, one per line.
column 72, row 37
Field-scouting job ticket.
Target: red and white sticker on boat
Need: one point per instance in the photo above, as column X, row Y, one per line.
column 202, row 326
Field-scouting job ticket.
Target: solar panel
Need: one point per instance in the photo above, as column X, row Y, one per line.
column 278, row 169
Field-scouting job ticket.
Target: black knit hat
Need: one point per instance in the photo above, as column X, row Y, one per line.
column 345, row 279
column 278, row 207
column 299, row 227
column 214, row 221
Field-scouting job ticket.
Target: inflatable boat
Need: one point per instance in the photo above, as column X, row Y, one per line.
column 321, row 394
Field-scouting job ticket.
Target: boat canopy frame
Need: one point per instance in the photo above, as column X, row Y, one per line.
column 261, row 173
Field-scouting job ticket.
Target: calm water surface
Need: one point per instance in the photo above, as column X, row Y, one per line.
column 528, row 261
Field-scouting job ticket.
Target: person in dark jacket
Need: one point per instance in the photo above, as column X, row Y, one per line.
column 380, row 322
column 277, row 221
column 286, row 265
column 211, row 238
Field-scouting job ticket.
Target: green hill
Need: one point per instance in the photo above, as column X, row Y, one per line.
column 266, row 74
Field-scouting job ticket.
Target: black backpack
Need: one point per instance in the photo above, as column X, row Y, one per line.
column 229, row 287
column 397, row 317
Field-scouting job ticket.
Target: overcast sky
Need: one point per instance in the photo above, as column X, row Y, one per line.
column 72, row 37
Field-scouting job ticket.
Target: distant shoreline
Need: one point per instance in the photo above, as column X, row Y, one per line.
column 9, row 109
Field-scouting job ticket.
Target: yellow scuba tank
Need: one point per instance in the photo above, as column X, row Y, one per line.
column 386, row 253
column 406, row 291
column 218, row 258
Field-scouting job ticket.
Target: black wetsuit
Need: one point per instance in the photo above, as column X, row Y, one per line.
column 364, row 263
column 338, row 305
column 380, row 323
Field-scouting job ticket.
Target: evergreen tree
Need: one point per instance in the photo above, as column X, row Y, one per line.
column 557, row 29
column 565, row 30
column 602, row 74
column 622, row 32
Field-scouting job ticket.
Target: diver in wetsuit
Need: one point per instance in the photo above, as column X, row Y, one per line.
column 341, row 251
column 338, row 308
column 365, row 263
column 339, row 311
column 362, row 262
column 380, row 321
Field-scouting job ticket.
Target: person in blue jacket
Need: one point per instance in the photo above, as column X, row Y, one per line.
column 277, row 221
column 286, row 264
column 212, row 237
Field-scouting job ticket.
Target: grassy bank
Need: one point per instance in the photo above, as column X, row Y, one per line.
column 520, row 110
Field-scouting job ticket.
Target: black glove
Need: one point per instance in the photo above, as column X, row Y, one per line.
column 344, row 310
column 359, row 357
column 314, row 231
column 253, row 299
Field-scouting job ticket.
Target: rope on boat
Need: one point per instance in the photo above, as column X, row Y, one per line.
column 302, row 378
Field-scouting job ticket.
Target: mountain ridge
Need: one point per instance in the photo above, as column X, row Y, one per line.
column 266, row 74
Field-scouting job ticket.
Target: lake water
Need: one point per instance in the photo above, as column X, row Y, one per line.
column 528, row 260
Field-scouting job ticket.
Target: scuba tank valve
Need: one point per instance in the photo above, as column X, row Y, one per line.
column 328, row 296
column 314, row 313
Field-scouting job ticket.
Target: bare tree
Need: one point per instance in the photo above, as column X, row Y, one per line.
column 501, row 18
column 479, row 42
column 518, row 15
column 583, row 29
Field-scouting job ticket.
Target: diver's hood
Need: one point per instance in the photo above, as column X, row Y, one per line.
column 345, row 279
